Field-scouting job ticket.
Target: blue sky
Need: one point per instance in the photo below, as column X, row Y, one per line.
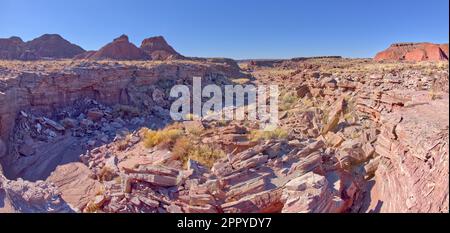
column 235, row 28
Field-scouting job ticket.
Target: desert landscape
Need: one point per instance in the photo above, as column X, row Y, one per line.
column 91, row 132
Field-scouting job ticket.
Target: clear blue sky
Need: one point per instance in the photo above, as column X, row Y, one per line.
column 235, row 28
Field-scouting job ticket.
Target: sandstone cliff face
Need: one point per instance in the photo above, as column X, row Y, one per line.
column 414, row 52
column 48, row 46
column 105, row 83
column 120, row 49
column 158, row 49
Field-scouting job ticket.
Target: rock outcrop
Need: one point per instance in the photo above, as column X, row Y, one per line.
column 75, row 182
column 158, row 49
column 120, row 49
column 413, row 171
column 21, row 196
column 414, row 52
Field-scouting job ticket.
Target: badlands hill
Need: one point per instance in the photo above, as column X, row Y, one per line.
column 52, row 46
column 48, row 46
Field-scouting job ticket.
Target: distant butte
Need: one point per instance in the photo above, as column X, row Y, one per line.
column 53, row 46
column 158, row 49
column 120, row 49
column 414, row 52
column 48, row 46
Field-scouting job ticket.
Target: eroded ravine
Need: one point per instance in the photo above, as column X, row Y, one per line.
column 82, row 128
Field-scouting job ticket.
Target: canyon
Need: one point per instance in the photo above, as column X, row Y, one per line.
column 91, row 132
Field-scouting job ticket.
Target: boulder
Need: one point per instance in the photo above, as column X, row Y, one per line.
column 95, row 115
column 26, row 150
column 314, row 193
column 74, row 182
column 159, row 180
column 334, row 115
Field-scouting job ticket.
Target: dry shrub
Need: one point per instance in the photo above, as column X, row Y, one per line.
column 196, row 130
column 181, row 147
column 205, row 154
column 241, row 81
column 261, row 135
column 106, row 174
column 123, row 144
column 162, row 138
column 288, row 101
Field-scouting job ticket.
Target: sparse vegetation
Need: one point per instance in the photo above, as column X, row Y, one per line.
column 288, row 101
column 123, row 143
column 241, row 81
column 106, row 174
column 162, row 138
column 181, row 147
column 260, row 135
column 205, row 154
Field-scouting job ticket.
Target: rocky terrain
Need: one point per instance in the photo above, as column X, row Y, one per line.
column 94, row 135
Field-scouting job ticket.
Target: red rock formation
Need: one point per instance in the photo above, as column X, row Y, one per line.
column 53, row 46
column 158, row 49
column 120, row 49
column 414, row 52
